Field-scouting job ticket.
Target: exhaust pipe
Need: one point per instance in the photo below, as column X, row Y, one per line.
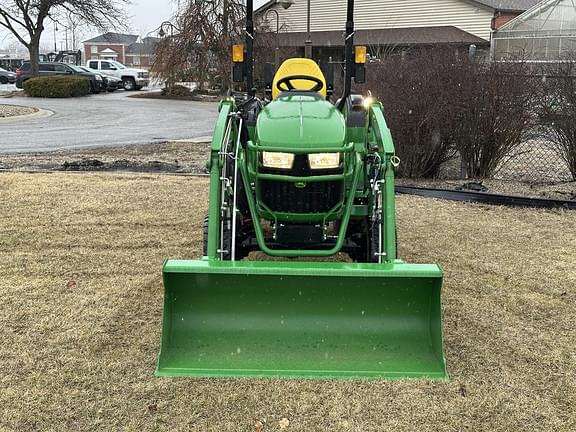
column 250, row 48
column 349, row 55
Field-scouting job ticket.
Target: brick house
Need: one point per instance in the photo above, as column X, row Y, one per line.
column 127, row 49
column 141, row 54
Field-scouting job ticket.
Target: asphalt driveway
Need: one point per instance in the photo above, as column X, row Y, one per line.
column 104, row 120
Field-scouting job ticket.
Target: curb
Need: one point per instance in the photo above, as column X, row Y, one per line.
column 41, row 113
column 10, row 94
column 486, row 198
column 197, row 140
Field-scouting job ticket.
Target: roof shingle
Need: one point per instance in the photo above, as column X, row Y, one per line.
column 114, row 38
column 509, row 5
column 146, row 47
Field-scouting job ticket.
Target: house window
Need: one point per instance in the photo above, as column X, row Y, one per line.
column 136, row 60
column 94, row 49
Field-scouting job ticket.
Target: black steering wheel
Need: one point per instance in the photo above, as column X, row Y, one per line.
column 287, row 81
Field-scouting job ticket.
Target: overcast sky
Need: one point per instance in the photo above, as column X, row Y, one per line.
column 148, row 14
column 145, row 16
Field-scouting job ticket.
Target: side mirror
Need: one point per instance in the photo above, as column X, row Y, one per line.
column 113, row 67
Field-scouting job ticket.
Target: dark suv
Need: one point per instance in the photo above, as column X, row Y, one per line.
column 52, row 69
column 7, row 77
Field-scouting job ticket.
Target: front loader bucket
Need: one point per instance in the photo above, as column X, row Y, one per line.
column 306, row 320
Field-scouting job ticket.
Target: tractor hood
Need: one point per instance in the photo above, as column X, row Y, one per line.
column 296, row 121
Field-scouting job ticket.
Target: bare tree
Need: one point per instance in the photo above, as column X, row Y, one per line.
column 200, row 48
column 417, row 92
column 74, row 25
column 25, row 18
column 495, row 111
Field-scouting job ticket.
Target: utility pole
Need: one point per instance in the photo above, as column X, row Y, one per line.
column 55, row 27
column 308, row 43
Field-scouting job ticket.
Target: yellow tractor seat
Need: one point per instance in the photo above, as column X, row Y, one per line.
column 299, row 66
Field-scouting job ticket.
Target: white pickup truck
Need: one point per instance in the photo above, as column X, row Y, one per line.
column 132, row 79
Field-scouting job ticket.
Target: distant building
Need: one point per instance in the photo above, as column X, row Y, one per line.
column 546, row 33
column 12, row 59
column 141, row 54
column 392, row 23
column 127, row 49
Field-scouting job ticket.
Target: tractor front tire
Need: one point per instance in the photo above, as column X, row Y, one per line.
column 241, row 252
column 368, row 243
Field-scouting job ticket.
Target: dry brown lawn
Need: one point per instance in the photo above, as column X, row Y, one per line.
column 80, row 313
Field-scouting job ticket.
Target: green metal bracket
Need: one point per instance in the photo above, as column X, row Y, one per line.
column 298, row 252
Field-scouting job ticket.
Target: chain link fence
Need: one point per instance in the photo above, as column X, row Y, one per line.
column 535, row 161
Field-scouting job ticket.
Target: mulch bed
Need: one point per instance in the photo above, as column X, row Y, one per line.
column 7, row 111
column 180, row 158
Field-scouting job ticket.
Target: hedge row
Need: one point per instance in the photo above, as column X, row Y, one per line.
column 57, row 86
column 439, row 104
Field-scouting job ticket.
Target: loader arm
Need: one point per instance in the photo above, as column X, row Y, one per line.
column 383, row 139
column 224, row 131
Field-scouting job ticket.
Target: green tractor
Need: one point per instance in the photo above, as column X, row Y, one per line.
column 294, row 175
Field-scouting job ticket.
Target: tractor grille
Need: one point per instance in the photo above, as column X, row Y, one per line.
column 285, row 197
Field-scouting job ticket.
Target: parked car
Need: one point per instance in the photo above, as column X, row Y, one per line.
column 111, row 83
column 7, row 77
column 132, row 79
column 52, row 69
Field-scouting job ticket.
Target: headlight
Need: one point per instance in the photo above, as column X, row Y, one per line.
column 320, row 161
column 98, row 78
column 278, row 160
column 368, row 102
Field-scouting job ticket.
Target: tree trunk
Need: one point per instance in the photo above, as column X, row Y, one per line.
column 34, row 50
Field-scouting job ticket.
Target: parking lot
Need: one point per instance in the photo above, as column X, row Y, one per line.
column 107, row 119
